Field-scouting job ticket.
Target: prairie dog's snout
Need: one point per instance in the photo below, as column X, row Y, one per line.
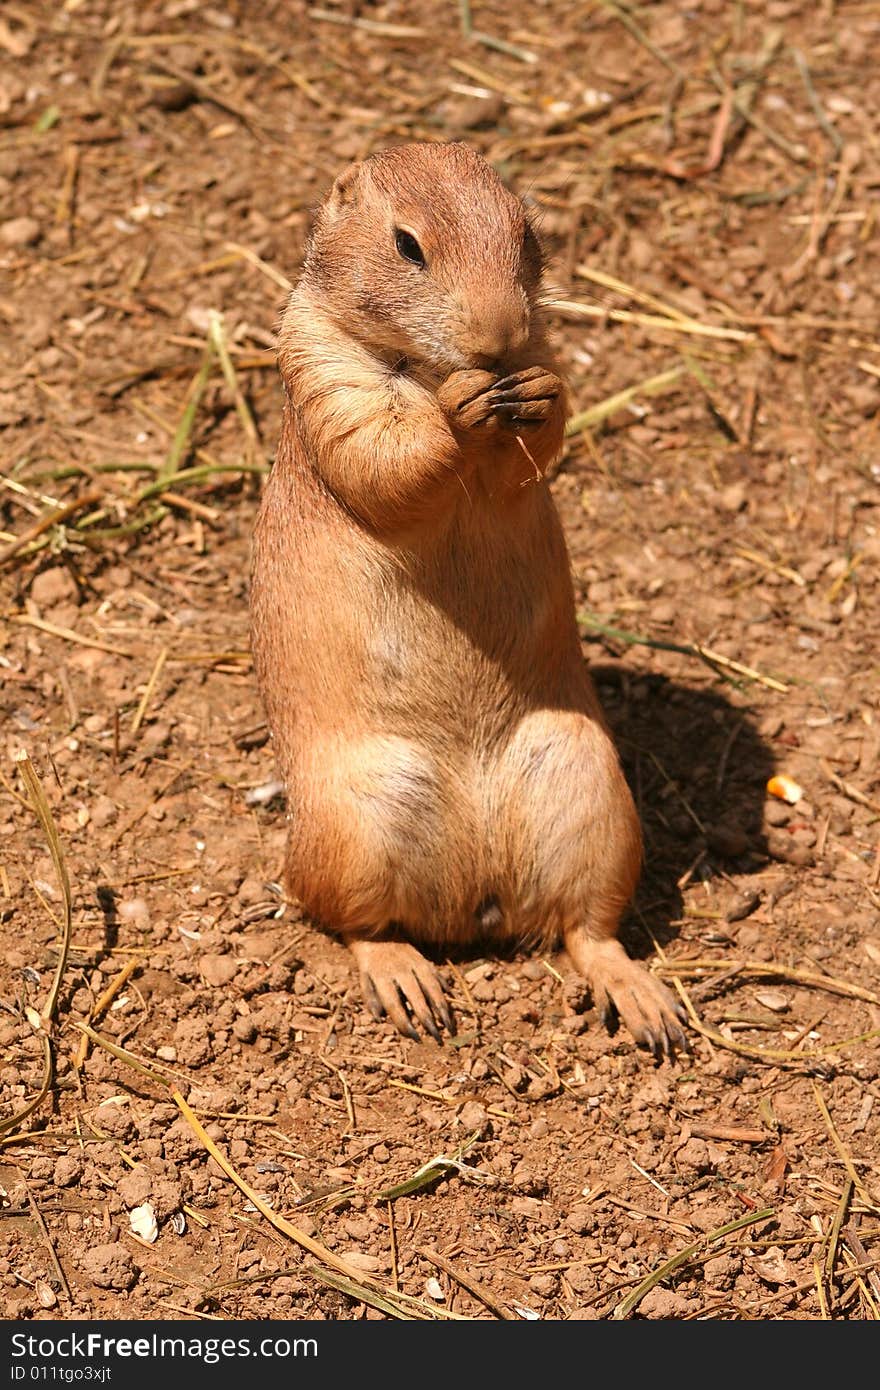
column 493, row 335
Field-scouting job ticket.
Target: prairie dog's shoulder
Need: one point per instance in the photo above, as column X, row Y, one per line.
column 319, row 358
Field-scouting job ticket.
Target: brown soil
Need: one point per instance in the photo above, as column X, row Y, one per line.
column 160, row 160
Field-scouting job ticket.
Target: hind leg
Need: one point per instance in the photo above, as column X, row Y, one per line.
column 624, row 987
column 576, row 831
column 367, row 857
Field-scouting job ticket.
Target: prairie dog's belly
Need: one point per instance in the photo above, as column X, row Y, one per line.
column 467, row 842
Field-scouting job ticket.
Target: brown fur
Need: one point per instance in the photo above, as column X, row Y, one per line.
column 447, row 765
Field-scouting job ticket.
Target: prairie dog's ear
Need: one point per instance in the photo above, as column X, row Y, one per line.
column 344, row 191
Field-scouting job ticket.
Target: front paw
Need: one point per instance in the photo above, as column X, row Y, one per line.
column 466, row 399
column 526, row 398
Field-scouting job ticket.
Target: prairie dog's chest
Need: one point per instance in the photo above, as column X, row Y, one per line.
column 485, row 596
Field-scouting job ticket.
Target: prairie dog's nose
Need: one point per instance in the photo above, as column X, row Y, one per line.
column 492, row 337
column 488, row 361
column 491, row 351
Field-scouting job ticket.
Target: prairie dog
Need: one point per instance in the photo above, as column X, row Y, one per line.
column 449, row 772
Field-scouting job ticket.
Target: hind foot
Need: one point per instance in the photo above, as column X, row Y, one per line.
column 397, row 980
column 624, row 987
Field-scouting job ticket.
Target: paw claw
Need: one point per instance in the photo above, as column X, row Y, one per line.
column 399, row 983
column 645, row 1005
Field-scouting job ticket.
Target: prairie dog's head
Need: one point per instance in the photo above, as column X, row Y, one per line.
column 420, row 252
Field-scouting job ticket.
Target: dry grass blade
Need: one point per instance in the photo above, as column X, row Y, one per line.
column 68, row 634
column 286, row 1228
column 513, row 50
column 268, row 270
column 49, row 1244
column 769, row 970
column 87, row 499
column 650, row 301
column 653, row 386
column 370, row 26
column 149, row 689
column 848, row 790
column 472, row 1285
column 402, row 1306
column 620, row 12
column 43, row 812
column 363, row 1294
column 820, row 1292
column 180, row 442
column 217, row 338
column 13, row 1121
column 834, row 1233
column 842, row 1151
column 718, row 662
column 574, row 309
column 633, row 1299
column 853, row 1243
column 435, row 1168
column 815, row 103
column 122, row 1055
column 103, row 1002
column 779, row 1057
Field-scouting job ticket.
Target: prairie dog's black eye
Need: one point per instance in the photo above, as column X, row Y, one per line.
column 408, row 247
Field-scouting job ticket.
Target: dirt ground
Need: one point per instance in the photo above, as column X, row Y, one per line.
column 709, row 186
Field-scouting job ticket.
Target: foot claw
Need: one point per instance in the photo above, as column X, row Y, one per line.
column 607, row 1015
column 398, row 982
column 651, row 1013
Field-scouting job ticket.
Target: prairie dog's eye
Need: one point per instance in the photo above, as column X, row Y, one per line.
column 408, row 247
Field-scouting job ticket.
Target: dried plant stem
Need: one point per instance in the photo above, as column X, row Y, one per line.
column 13, row 1121
column 473, row 1286
column 148, row 691
column 44, row 815
column 180, row 442
column 813, row 98
column 595, row 414
column 775, row 970
column 68, row 634
column 641, row 37
column 87, row 499
column 217, row 338
column 844, row 1156
column 650, row 301
column 711, row 658
column 268, row 270
column 574, row 309
column 632, row 1300
column 43, row 811
column 49, row 1244
column 103, row 1002
column 834, row 1233
column 285, row 1227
